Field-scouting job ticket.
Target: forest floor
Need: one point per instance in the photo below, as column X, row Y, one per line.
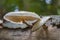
column 6, row 34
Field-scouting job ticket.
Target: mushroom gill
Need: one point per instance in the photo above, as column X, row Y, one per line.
column 20, row 18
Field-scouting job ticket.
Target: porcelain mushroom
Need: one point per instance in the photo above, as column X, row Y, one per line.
column 20, row 19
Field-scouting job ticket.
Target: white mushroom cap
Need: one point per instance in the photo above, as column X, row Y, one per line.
column 44, row 20
column 21, row 13
column 19, row 24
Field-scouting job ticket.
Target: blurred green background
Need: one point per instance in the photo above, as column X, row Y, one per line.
column 41, row 7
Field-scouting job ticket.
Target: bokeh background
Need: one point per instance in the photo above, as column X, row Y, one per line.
column 41, row 7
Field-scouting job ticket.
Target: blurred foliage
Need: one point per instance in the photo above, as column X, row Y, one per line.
column 38, row 6
column 6, row 6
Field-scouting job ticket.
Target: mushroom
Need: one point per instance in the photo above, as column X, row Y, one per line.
column 21, row 19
